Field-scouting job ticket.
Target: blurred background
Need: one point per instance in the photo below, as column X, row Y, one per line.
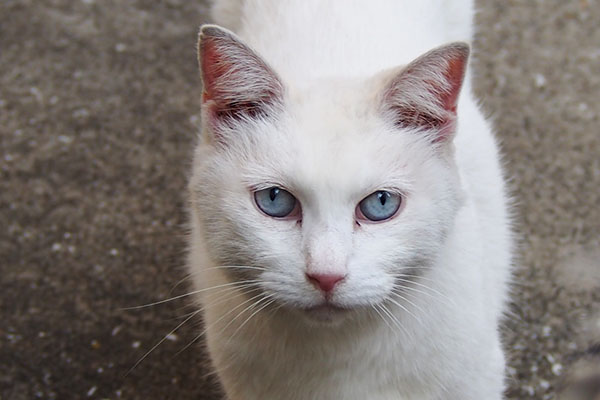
column 99, row 110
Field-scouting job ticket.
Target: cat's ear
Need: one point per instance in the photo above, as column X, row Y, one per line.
column 237, row 83
column 424, row 94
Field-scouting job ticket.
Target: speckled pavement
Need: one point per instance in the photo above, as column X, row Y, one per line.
column 99, row 106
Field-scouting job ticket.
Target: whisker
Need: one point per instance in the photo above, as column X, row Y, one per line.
column 415, row 271
column 189, row 294
column 406, row 309
column 201, row 270
column 421, row 277
column 180, row 317
column 424, row 287
column 274, row 311
column 179, row 282
column 161, row 341
column 237, row 292
column 250, row 307
column 393, row 319
column 268, row 303
column 219, row 370
column 219, row 293
column 192, row 274
column 218, row 320
column 400, row 294
column 376, row 308
column 402, row 288
column 252, row 267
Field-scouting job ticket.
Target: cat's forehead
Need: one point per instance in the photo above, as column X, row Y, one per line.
column 333, row 141
column 334, row 116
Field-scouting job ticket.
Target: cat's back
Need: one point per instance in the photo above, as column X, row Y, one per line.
column 304, row 39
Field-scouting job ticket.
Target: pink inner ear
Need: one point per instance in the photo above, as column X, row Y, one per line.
column 213, row 66
column 454, row 75
column 425, row 94
column 238, row 84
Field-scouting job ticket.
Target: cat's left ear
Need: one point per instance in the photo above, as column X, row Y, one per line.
column 423, row 95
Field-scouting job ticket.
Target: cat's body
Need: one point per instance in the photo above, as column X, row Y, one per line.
column 326, row 119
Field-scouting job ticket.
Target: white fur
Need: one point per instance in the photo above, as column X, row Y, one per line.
column 331, row 147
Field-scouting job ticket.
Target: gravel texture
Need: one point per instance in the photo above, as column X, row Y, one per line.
column 99, row 106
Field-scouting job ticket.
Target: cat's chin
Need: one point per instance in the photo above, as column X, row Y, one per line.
column 326, row 314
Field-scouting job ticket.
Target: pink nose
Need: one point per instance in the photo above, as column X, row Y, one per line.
column 326, row 282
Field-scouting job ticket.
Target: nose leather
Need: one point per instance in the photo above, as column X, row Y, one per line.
column 325, row 282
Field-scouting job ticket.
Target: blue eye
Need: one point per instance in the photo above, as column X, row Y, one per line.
column 275, row 202
column 380, row 206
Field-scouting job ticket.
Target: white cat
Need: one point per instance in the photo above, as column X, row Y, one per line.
column 350, row 233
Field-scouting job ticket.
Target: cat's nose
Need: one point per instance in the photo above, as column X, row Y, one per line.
column 325, row 282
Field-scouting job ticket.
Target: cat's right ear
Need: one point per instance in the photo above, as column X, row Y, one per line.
column 237, row 84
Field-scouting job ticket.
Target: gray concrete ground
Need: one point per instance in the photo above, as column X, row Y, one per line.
column 99, row 104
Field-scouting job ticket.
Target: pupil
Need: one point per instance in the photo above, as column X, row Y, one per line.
column 274, row 192
column 382, row 197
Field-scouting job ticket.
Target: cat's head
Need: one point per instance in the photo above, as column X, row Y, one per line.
column 329, row 194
